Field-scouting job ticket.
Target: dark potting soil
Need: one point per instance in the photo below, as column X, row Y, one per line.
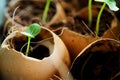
column 40, row 52
column 30, row 12
column 19, row 43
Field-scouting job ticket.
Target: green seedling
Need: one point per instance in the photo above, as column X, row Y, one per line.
column 90, row 12
column 111, row 4
column 45, row 12
column 32, row 30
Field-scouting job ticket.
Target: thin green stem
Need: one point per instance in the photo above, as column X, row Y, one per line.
column 98, row 19
column 46, row 11
column 28, row 46
column 90, row 12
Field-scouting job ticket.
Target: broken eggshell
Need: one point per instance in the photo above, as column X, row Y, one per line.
column 99, row 60
column 15, row 65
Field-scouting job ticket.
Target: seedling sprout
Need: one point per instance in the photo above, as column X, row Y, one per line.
column 31, row 32
column 111, row 4
column 44, row 18
column 90, row 12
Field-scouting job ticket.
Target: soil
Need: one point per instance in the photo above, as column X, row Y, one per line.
column 31, row 11
column 39, row 52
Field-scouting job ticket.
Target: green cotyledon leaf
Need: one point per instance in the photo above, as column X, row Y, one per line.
column 32, row 30
column 111, row 4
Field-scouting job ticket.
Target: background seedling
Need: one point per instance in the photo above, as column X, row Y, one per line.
column 111, row 4
column 31, row 32
column 90, row 12
column 44, row 18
